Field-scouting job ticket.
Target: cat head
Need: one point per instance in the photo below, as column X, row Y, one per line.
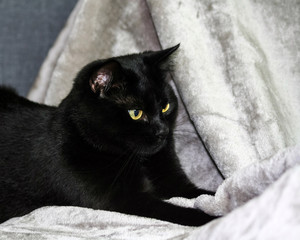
column 126, row 102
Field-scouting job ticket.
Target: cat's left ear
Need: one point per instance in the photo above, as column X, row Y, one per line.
column 105, row 77
column 158, row 57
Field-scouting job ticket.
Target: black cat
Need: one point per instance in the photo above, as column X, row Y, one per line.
column 108, row 145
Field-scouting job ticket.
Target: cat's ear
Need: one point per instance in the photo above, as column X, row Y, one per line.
column 161, row 56
column 105, row 77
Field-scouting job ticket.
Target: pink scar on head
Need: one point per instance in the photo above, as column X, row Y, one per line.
column 101, row 81
column 102, row 78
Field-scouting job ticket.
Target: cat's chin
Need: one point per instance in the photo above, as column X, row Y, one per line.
column 150, row 150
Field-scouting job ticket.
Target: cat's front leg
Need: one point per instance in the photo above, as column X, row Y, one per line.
column 176, row 184
column 148, row 206
column 169, row 179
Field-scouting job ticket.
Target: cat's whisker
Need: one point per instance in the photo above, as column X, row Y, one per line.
column 118, row 158
column 121, row 170
column 183, row 132
column 181, row 119
column 132, row 166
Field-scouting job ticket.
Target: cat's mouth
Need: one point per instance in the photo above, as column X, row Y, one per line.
column 153, row 149
column 149, row 149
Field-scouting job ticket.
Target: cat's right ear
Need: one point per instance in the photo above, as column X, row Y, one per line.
column 159, row 57
column 105, row 77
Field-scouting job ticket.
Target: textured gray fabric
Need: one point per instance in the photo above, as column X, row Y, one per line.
column 73, row 223
column 272, row 216
column 238, row 71
column 249, row 183
column 27, row 31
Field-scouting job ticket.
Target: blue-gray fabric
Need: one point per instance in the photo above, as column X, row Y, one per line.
column 27, row 31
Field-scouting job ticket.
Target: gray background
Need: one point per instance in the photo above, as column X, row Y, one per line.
column 28, row 28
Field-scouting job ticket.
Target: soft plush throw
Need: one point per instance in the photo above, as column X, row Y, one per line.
column 237, row 72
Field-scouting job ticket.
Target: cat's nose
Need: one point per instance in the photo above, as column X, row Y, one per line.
column 161, row 132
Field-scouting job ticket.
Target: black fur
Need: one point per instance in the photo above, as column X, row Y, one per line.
column 88, row 151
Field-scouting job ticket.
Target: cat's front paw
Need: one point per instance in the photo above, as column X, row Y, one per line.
column 196, row 218
column 196, row 192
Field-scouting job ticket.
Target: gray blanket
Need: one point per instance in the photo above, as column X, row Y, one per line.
column 237, row 72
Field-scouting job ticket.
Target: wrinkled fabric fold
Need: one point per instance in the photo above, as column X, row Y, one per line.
column 238, row 72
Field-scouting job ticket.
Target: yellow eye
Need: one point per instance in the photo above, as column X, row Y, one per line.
column 166, row 108
column 135, row 114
